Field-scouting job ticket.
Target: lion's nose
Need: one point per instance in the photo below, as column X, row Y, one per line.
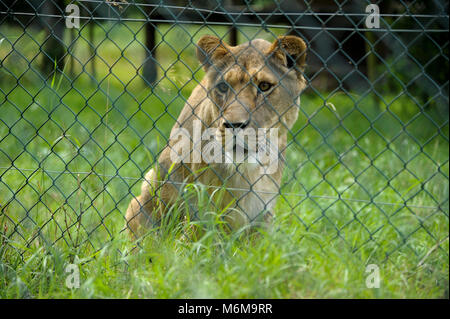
column 240, row 125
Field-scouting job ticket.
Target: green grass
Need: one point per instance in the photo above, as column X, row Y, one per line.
column 366, row 183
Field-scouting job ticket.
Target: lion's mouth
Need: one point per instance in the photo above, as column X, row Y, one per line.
column 234, row 143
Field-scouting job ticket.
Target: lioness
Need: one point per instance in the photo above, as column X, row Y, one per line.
column 246, row 87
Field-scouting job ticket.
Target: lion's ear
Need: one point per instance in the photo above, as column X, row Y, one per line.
column 211, row 49
column 291, row 50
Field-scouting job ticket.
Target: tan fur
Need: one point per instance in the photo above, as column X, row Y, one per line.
column 243, row 67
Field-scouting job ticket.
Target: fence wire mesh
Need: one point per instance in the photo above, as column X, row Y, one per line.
column 86, row 111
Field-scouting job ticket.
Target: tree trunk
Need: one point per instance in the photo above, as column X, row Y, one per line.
column 53, row 49
column 149, row 72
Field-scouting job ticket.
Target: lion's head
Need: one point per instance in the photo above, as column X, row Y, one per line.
column 253, row 85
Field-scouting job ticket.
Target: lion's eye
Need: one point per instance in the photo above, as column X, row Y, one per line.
column 222, row 87
column 264, row 86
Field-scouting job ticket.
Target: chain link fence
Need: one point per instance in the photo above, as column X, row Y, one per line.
column 89, row 98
